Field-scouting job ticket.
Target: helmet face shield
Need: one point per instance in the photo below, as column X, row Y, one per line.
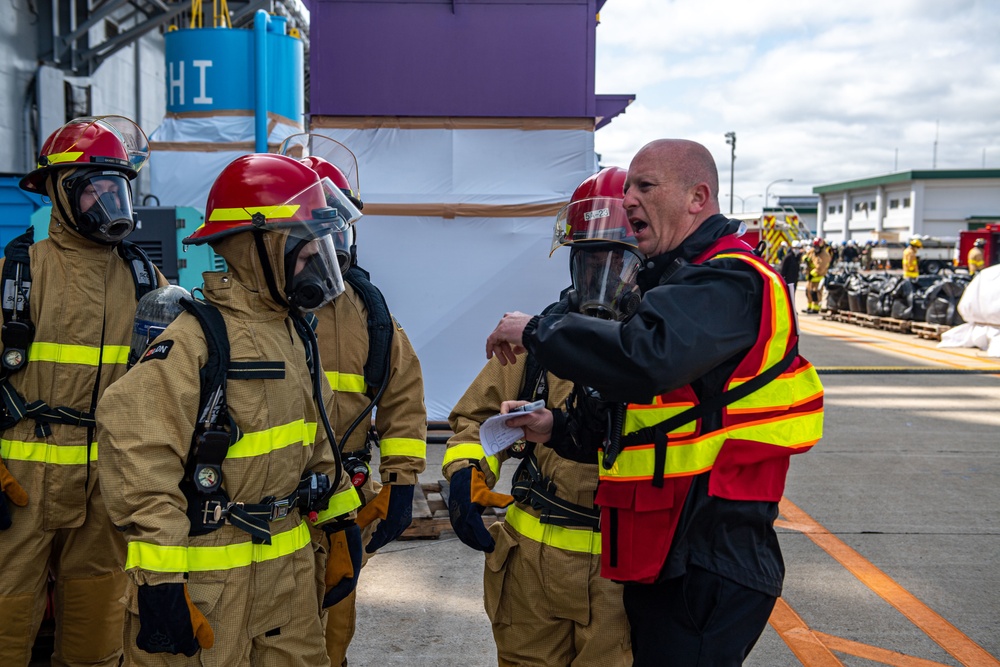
column 604, row 279
column 101, row 205
column 312, row 272
column 307, row 145
column 595, row 218
column 338, row 200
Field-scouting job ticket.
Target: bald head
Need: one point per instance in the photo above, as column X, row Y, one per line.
column 687, row 162
column 671, row 188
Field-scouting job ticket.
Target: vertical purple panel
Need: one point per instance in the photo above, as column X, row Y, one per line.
column 499, row 58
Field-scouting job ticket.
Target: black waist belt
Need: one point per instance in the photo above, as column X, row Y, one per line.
column 17, row 408
column 253, row 519
column 540, row 493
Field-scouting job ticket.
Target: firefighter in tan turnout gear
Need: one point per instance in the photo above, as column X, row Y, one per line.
column 215, row 448
column 543, row 591
column 61, row 352
column 371, row 366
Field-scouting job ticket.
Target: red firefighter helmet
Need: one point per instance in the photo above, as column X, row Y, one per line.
column 105, row 142
column 308, row 144
column 818, row 243
column 595, row 212
column 265, row 191
column 340, row 197
column 979, row 243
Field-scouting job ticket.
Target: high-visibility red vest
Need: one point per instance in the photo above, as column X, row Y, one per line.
column 748, row 455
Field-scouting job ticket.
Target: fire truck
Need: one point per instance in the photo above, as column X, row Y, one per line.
column 773, row 227
column 991, row 251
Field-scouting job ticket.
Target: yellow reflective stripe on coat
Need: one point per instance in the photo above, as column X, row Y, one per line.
column 471, row 451
column 85, row 355
column 580, row 540
column 264, row 442
column 346, row 382
column 157, row 558
column 43, row 452
column 340, row 504
column 280, row 212
column 403, row 447
column 697, row 455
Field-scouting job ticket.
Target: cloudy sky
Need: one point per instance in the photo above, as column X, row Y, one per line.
column 819, row 91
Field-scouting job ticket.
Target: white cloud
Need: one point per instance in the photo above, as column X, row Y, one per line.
column 817, row 91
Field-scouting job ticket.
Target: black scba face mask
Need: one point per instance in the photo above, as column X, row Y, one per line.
column 101, row 206
column 604, row 280
column 312, row 272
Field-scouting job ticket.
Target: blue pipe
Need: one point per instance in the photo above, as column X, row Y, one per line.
column 260, row 21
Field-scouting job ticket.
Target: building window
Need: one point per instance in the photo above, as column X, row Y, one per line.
column 871, row 206
column 857, row 206
column 906, row 202
column 840, row 208
column 831, row 209
column 893, row 203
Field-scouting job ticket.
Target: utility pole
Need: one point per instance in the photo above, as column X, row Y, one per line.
column 731, row 140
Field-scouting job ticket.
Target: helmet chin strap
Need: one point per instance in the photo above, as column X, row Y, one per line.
column 269, row 278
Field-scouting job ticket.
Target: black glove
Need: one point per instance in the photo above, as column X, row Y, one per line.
column 12, row 491
column 394, row 505
column 170, row 623
column 467, row 498
column 343, row 565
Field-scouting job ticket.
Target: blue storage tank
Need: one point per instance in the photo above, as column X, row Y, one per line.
column 16, row 209
column 212, row 69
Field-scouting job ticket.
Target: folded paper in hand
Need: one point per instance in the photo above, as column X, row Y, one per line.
column 495, row 435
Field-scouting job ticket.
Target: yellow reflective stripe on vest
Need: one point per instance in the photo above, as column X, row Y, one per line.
column 282, row 212
column 698, row 455
column 776, row 347
column 403, row 447
column 580, row 540
column 347, row 382
column 340, row 504
column 83, row 355
column 156, row 558
column 640, row 416
column 473, row 451
column 264, row 442
column 785, row 391
column 43, row 452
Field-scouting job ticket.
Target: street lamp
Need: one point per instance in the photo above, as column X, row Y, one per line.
column 731, row 140
column 743, row 203
column 780, row 180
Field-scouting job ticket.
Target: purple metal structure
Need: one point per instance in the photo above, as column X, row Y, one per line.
column 457, row 58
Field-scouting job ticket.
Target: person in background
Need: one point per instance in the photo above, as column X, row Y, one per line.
column 911, row 260
column 543, row 592
column 817, row 263
column 975, row 259
column 689, row 486
column 216, row 452
column 65, row 341
column 789, row 268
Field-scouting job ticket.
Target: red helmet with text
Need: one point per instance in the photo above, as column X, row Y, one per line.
column 95, row 157
column 604, row 258
column 264, row 192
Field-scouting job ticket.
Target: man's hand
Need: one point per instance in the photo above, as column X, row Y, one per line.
column 505, row 342
column 537, row 424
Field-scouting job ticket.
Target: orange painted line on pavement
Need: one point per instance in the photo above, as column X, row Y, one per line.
column 882, row 655
column 950, row 638
column 800, row 639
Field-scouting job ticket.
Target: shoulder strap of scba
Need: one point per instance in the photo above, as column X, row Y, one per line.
column 380, row 326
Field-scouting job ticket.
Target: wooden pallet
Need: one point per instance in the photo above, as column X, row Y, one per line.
column 870, row 321
column 430, row 512
column 929, row 331
column 892, row 324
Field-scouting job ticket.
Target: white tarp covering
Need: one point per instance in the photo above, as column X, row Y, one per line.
column 447, row 280
column 980, row 308
column 184, row 177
